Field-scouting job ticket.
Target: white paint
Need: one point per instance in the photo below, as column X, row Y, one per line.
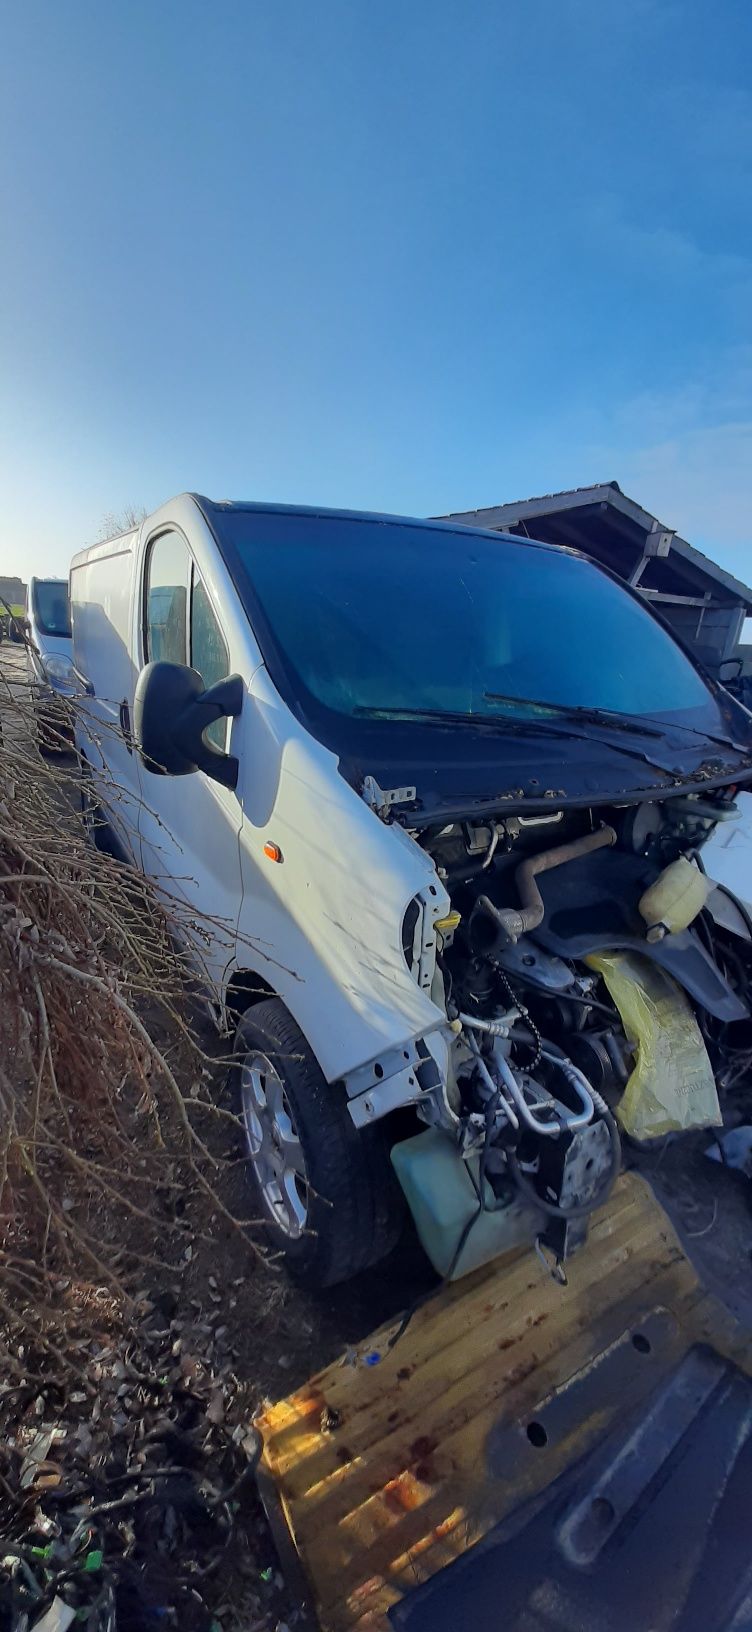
column 189, row 826
column 102, row 582
column 727, row 857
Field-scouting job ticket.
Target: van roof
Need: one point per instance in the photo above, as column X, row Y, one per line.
column 103, row 548
column 383, row 518
column 217, row 507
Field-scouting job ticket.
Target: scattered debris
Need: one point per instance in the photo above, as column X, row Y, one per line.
column 733, row 1149
column 135, row 1506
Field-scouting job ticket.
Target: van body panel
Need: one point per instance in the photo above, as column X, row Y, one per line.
column 324, row 926
column 102, row 583
column 727, row 856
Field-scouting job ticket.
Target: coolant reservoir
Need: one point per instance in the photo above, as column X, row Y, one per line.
column 442, row 1192
column 674, row 900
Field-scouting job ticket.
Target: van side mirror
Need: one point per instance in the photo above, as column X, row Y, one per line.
column 171, row 711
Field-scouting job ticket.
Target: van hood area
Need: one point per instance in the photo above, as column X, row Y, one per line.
column 454, row 773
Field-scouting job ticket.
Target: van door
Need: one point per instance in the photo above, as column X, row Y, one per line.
column 189, row 826
column 101, row 600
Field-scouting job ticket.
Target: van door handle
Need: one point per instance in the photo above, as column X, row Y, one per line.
column 125, row 724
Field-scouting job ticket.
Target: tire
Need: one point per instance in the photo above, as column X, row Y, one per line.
column 90, row 810
column 54, row 736
column 48, row 742
column 349, row 1210
column 97, row 830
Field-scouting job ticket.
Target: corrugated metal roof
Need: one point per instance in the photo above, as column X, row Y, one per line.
column 591, row 493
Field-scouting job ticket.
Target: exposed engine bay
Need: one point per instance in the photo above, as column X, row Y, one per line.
column 596, row 983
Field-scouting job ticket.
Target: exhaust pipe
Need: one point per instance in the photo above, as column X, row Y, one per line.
column 504, row 926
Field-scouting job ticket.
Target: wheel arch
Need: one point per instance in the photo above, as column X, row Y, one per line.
column 245, row 988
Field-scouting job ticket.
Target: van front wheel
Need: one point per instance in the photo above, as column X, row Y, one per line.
column 326, row 1188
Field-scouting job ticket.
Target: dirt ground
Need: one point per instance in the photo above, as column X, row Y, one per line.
column 274, row 1334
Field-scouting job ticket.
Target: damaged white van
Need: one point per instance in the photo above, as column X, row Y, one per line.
column 436, row 799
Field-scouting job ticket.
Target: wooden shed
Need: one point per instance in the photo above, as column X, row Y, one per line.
column 704, row 604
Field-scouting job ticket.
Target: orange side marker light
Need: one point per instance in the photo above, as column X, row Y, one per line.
column 273, row 852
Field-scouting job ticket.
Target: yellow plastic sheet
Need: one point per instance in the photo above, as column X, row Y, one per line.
column 672, row 1087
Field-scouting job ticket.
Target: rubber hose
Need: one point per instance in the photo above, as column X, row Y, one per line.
column 551, row 1207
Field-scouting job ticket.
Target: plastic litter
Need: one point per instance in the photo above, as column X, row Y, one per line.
column 737, row 1149
column 57, row 1618
column 672, row 1087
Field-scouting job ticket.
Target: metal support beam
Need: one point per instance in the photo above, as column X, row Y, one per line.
column 706, row 601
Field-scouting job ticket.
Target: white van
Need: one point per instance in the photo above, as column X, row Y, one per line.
column 412, row 781
column 49, row 659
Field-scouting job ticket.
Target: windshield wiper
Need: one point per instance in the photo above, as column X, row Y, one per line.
column 449, row 716
column 521, row 725
column 505, row 725
column 617, row 721
column 579, row 711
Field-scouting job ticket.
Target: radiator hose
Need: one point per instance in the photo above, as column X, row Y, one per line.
column 492, row 927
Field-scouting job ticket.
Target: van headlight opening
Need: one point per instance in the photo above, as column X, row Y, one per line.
column 59, row 670
column 411, row 936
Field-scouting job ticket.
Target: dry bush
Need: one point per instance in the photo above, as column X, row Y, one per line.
column 122, row 1418
column 96, row 1039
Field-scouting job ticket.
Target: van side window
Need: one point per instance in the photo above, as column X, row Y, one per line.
column 209, row 652
column 168, row 576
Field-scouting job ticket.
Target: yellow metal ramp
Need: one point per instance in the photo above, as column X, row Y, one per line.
column 387, row 1466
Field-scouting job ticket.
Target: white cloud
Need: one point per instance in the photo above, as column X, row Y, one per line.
column 686, row 455
column 698, row 482
column 667, row 254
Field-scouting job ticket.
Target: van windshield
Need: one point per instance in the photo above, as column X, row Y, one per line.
column 370, row 616
column 50, row 607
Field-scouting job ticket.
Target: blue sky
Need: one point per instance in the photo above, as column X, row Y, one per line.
column 417, row 255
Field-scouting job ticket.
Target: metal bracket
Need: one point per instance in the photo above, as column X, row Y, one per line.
column 402, row 1089
column 657, row 544
column 382, row 799
column 553, row 1266
column 375, row 1090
